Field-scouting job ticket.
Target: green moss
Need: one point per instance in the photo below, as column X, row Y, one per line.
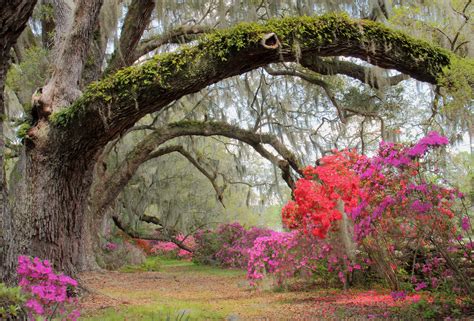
column 23, row 130
column 458, row 80
column 157, row 74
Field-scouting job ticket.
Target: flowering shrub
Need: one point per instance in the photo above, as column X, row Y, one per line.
column 170, row 249
column 394, row 184
column 317, row 194
column 236, row 254
column 408, row 213
column 120, row 252
column 283, row 255
column 145, row 245
column 401, row 212
column 49, row 294
column 228, row 246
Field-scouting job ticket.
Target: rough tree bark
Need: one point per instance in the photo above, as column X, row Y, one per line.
column 13, row 17
column 49, row 212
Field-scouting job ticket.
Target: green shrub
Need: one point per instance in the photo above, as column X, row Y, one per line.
column 11, row 303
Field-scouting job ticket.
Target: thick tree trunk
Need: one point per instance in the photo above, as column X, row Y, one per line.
column 48, row 213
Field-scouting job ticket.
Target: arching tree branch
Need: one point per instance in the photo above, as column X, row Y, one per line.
column 114, row 104
column 137, row 19
column 146, row 149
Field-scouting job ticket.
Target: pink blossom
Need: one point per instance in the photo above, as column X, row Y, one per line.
column 465, row 223
column 46, row 290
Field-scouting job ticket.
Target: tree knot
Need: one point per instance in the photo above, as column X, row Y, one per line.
column 270, row 41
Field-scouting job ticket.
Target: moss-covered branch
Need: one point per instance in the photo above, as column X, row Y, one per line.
column 112, row 105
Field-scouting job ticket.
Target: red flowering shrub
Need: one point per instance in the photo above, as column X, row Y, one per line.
column 402, row 213
column 316, row 195
column 145, row 245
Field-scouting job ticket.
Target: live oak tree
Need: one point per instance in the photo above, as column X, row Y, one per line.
column 54, row 202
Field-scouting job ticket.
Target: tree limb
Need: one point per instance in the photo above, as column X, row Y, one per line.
column 178, row 35
column 179, row 149
column 114, row 104
column 63, row 87
column 312, row 79
column 111, row 186
column 137, row 19
column 134, row 234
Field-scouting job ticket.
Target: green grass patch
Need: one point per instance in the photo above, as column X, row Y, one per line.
column 184, row 311
column 151, row 264
column 168, row 265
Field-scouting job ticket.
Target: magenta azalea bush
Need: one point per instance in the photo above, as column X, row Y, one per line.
column 228, row 246
column 283, row 255
column 49, row 294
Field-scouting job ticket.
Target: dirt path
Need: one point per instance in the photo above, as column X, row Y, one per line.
column 183, row 291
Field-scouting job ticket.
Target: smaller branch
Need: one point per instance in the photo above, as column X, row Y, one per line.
column 137, row 19
column 178, row 35
column 333, row 67
column 315, row 81
column 135, row 235
column 179, row 149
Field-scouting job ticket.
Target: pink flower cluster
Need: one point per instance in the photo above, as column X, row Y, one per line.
column 228, row 245
column 433, row 139
column 394, row 185
column 235, row 250
column 111, row 246
column 283, row 255
column 48, row 293
column 171, row 249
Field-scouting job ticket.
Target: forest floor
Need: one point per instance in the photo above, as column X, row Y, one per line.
column 181, row 290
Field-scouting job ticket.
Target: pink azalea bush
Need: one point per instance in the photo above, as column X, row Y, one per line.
column 228, row 246
column 281, row 254
column 285, row 255
column 49, row 294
